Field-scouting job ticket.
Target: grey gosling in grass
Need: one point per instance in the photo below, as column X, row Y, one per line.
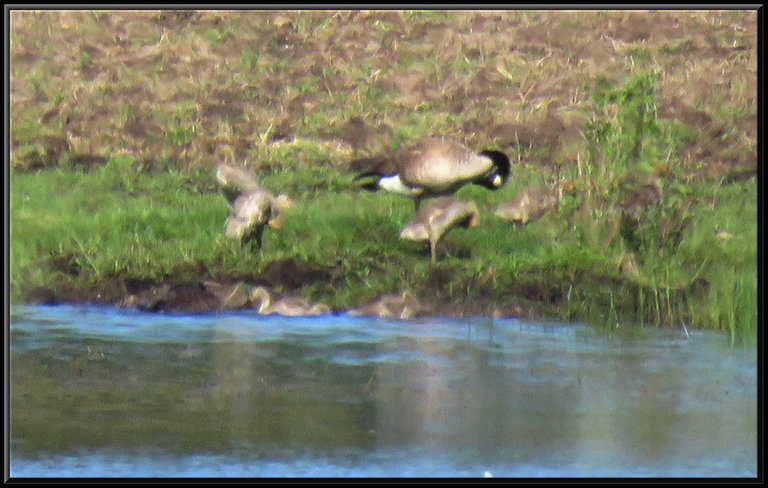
column 439, row 216
column 234, row 181
column 432, row 167
column 292, row 306
column 252, row 212
column 533, row 203
column 252, row 207
column 405, row 306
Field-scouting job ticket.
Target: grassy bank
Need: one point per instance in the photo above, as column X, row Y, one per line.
column 115, row 222
column 114, row 141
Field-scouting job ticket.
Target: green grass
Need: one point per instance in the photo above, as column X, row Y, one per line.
column 680, row 247
column 112, row 221
column 115, row 221
column 282, row 97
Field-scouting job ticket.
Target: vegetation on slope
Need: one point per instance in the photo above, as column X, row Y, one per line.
column 118, row 119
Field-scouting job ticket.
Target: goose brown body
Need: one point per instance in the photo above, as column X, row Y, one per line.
column 434, row 167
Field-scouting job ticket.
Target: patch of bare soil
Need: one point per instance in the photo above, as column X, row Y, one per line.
column 186, row 289
column 127, row 76
column 199, row 295
column 291, row 274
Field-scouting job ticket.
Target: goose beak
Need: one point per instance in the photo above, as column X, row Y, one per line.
column 276, row 223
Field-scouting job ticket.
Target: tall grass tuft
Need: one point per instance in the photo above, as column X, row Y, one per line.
column 691, row 259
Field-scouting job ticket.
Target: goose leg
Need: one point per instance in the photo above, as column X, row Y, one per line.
column 255, row 238
column 260, row 236
column 434, row 235
column 433, row 250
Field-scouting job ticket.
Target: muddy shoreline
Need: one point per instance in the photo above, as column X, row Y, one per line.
column 201, row 292
column 192, row 296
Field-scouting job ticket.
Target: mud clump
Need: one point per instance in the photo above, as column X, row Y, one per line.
column 189, row 297
column 106, row 292
column 291, row 274
column 187, row 290
column 66, row 264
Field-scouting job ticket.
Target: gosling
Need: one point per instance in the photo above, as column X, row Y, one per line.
column 252, row 211
column 292, row 306
column 533, row 203
column 405, row 306
column 438, row 217
column 234, row 181
column 252, row 207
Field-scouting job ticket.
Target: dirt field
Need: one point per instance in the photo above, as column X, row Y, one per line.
column 189, row 89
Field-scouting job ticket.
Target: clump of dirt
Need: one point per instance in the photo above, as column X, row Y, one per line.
column 107, row 291
column 67, row 264
column 189, row 297
column 291, row 274
column 362, row 136
column 536, row 141
column 481, row 302
column 141, row 77
column 87, row 162
column 438, row 277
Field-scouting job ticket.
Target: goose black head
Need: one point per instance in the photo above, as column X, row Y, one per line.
column 501, row 169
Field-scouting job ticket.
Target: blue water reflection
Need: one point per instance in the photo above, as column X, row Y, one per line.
column 103, row 392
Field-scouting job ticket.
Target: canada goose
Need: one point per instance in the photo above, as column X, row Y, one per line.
column 433, row 167
column 234, row 181
column 403, row 307
column 292, row 306
column 437, row 218
column 533, row 203
column 252, row 211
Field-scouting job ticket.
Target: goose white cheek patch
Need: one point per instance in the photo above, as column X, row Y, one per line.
column 395, row 185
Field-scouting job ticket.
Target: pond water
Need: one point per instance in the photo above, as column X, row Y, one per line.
column 100, row 392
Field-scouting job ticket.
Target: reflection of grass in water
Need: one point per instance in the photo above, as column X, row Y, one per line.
column 426, row 384
column 217, row 396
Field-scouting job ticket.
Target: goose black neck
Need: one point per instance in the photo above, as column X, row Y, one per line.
column 501, row 167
